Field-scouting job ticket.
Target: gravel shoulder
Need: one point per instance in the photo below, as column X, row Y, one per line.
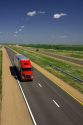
column 14, row 110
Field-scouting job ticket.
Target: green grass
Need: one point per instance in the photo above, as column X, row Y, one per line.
column 57, row 47
column 44, row 62
column 69, row 53
column 75, row 54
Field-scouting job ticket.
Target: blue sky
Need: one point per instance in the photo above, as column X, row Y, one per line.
column 41, row 21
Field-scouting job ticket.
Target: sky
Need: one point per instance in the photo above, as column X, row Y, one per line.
column 41, row 21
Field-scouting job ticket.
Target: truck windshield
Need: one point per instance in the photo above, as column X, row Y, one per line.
column 26, row 69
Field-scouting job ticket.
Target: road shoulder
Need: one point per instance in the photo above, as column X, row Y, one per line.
column 14, row 110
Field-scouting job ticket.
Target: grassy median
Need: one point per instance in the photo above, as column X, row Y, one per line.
column 75, row 54
column 44, row 62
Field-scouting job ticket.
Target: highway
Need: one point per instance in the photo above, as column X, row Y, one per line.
column 48, row 103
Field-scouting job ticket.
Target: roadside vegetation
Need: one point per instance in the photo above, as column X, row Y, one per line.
column 45, row 62
column 57, row 47
column 75, row 54
column 68, row 53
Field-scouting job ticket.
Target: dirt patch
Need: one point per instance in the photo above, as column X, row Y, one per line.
column 14, row 110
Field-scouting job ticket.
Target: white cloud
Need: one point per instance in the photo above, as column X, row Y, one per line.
column 20, row 30
column 22, row 26
column 59, row 15
column 31, row 13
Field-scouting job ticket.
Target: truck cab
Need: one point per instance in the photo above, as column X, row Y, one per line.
column 24, row 67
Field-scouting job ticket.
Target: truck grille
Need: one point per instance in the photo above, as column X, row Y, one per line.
column 27, row 76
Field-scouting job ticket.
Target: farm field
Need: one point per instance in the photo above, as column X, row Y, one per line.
column 45, row 62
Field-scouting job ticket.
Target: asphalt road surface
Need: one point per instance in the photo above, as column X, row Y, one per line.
column 49, row 104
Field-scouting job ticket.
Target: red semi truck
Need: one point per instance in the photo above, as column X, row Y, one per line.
column 24, row 67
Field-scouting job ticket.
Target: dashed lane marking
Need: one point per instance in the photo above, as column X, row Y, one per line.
column 56, row 103
column 40, row 85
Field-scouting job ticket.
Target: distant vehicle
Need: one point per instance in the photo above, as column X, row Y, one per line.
column 24, row 67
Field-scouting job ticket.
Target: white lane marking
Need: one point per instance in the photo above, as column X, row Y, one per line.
column 56, row 103
column 39, row 85
column 27, row 103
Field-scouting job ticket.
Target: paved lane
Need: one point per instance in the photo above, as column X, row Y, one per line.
column 49, row 104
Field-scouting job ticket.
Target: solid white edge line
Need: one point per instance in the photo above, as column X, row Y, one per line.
column 56, row 103
column 27, row 103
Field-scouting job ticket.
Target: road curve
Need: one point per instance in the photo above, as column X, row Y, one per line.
column 49, row 104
